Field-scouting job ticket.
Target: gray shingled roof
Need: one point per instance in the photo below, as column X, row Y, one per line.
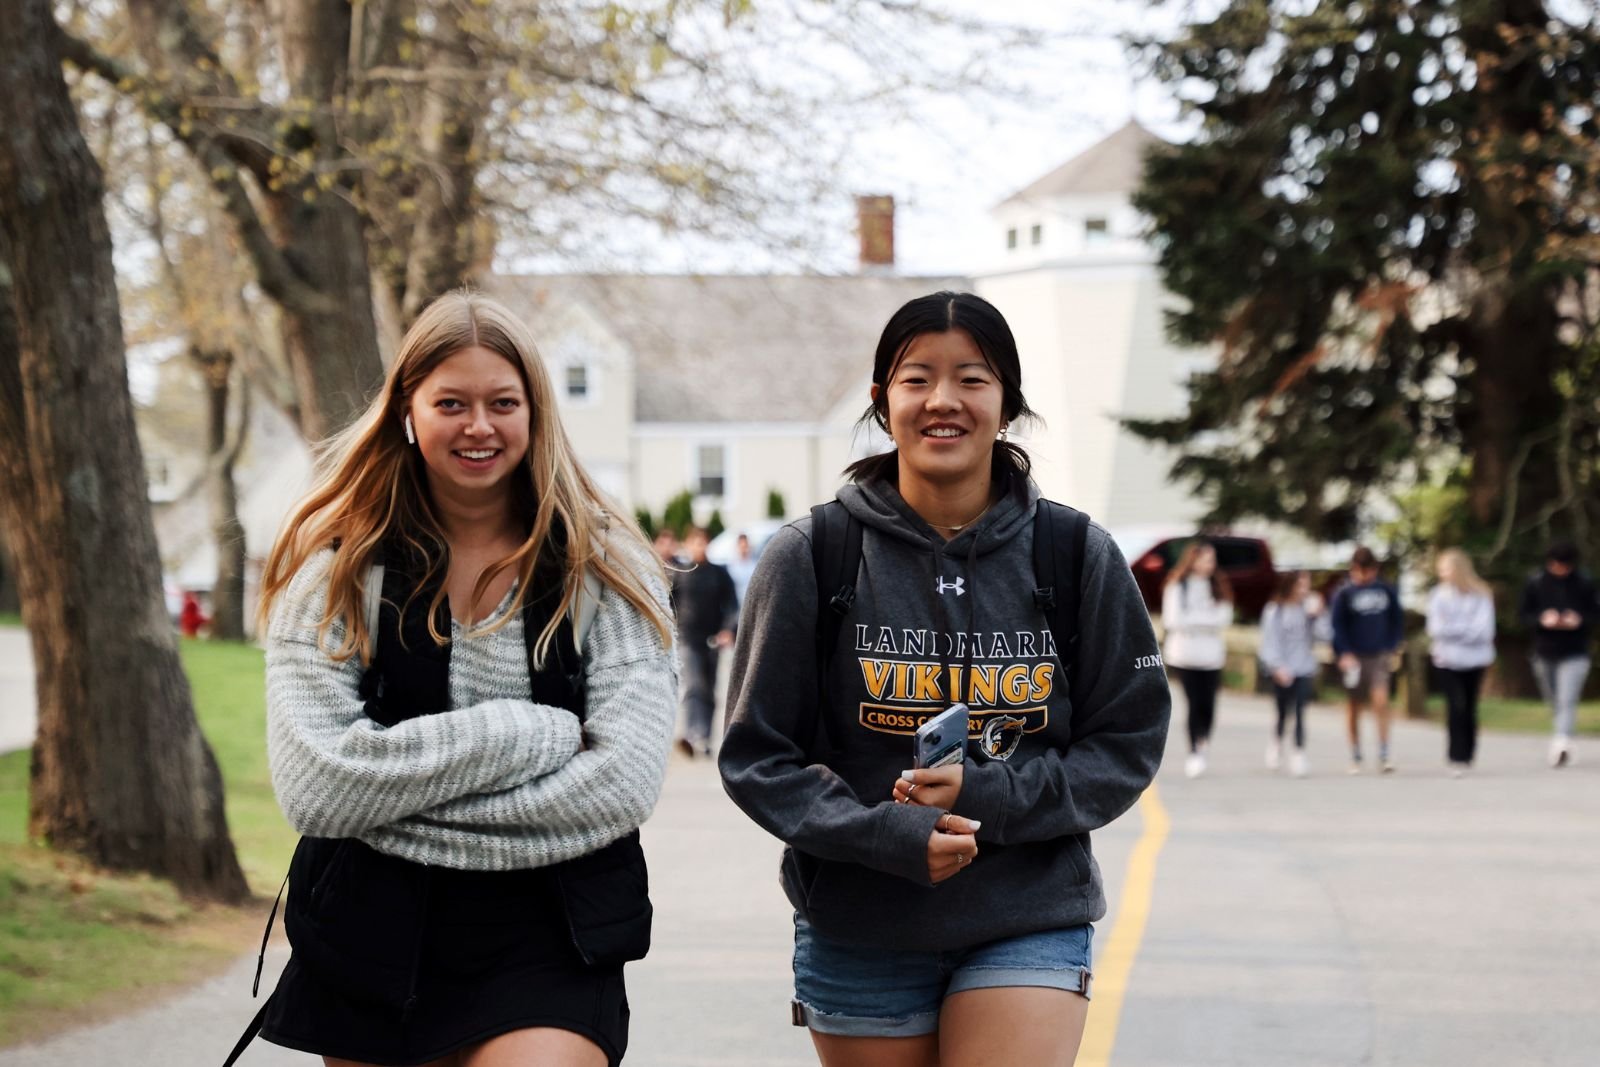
column 1113, row 165
column 732, row 348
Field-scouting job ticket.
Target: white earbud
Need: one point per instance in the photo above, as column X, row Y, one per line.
column 411, row 435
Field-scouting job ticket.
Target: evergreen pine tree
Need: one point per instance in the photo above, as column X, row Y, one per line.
column 1389, row 225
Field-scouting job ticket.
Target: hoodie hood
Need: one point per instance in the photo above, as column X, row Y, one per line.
column 879, row 506
column 1055, row 749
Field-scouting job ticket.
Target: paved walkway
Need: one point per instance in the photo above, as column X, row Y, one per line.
column 1407, row 921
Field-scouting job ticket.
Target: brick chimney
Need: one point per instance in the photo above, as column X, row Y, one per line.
column 875, row 224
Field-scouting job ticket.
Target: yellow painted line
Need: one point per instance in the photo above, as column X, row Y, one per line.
column 1115, row 962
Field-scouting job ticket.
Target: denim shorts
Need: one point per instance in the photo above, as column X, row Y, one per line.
column 858, row 991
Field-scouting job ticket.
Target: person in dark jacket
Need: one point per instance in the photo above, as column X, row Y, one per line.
column 1558, row 606
column 942, row 914
column 708, row 614
column 1367, row 630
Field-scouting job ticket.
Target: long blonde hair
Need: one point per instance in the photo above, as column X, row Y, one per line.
column 371, row 487
column 1464, row 576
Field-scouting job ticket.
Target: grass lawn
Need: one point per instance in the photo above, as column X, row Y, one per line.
column 10, row 618
column 77, row 943
column 1521, row 716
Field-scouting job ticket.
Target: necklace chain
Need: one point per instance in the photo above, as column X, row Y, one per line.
column 958, row 526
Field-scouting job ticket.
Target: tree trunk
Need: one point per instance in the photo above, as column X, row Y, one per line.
column 227, row 532
column 441, row 251
column 1513, row 405
column 306, row 239
column 332, row 348
column 121, row 773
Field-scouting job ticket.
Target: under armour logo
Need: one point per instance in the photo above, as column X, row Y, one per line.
column 958, row 585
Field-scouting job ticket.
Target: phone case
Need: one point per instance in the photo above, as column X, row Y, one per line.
column 942, row 739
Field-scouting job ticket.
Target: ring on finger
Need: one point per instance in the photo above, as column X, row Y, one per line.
column 912, row 788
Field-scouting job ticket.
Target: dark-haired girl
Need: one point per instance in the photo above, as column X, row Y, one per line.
column 1196, row 608
column 942, row 915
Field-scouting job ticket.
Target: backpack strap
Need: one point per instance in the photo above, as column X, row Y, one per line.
column 250, row 1031
column 585, row 607
column 1060, row 535
column 374, row 604
column 836, row 559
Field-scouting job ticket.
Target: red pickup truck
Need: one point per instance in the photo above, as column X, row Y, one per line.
column 1247, row 562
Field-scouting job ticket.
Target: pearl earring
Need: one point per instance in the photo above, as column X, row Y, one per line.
column 411, row 435
column 1004, row 430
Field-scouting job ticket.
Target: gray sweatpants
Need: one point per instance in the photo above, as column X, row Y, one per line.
column 1561, row 683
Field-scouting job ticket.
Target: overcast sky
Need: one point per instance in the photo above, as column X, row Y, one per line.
column 954, row 159
column 947, row 174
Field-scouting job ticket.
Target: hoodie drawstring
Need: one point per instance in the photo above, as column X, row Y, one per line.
column 945, row 622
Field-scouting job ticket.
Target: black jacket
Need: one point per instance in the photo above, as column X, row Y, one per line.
column 1573, row 592
column 705, row 601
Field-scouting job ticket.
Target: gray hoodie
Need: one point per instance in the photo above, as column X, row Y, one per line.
column 856, row 866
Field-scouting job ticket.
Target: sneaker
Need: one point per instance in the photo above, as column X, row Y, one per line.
column 1354, row 768
column 1195, row 765
column 1274, row 755
column 1385, row 765
column 1298, row 765
column 1459, row 769
column 686, row 746
column 1560, row 752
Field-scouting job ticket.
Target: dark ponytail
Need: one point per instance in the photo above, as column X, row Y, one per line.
column 940, row 313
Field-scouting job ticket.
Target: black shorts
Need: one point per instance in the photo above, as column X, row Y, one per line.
column 411, row 962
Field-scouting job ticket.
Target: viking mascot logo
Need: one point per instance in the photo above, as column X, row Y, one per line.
column 1001, row 735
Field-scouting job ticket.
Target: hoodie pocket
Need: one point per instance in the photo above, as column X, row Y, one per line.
column 1078, row 854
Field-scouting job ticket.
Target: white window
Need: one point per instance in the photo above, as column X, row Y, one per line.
column 577, row 381
column 1036, row 235
column 1011, row 238
column 710, row 470
column 1095, row 229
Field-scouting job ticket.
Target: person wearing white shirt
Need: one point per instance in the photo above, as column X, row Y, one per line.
column 1196, row 608
column 1461, row 639
column 1291, row 625
column 741, row 566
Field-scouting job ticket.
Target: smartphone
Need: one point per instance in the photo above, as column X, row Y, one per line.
column 942, row 739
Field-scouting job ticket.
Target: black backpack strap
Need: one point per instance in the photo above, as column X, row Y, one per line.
column 249, row 1034
column 1060, row 534
column 836, row 559
column 254, row 1026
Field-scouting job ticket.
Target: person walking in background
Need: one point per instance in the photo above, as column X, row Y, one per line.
column 741, row 567
column 1196, row 608
column 470, row 698
column 942, row 914
column 1558, row 606
column 1291, row 624
column 708, row 614
column 665, row 544
column 1368, row 627
column 1461, row 641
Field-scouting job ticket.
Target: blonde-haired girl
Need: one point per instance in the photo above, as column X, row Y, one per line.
column 1461, row 637
column 471, row 736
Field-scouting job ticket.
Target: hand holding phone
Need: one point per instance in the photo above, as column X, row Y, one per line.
column 932, row 787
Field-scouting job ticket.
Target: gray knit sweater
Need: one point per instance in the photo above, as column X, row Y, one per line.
column 500, row 782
